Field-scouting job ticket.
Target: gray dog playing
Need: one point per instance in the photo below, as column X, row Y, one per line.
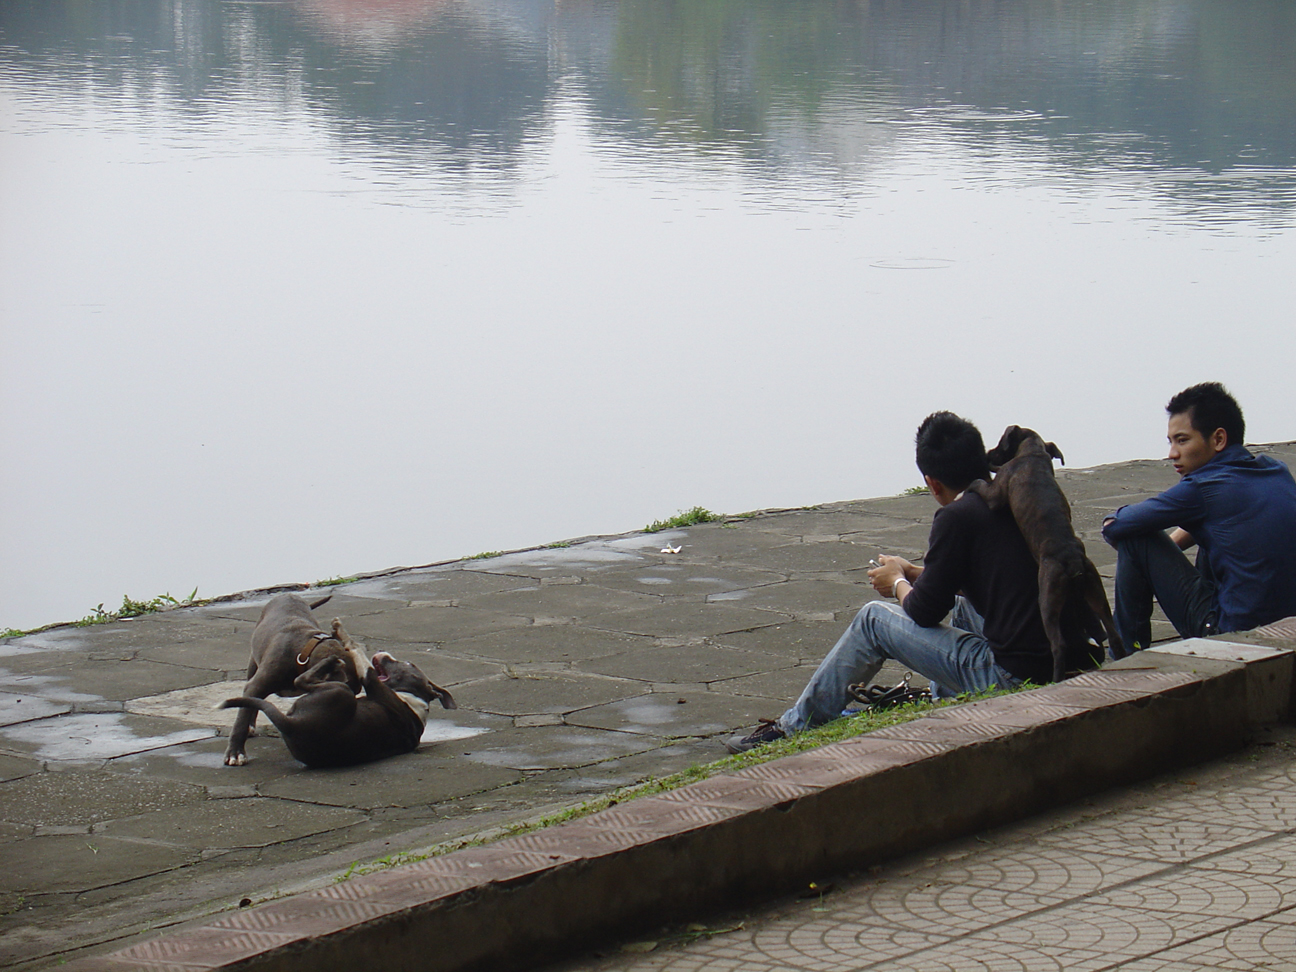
column 1073, row 604
column 330, row 726
column 286, row 642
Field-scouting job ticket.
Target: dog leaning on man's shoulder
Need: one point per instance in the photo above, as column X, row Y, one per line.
column 286, row 642
column 330, row 726
column 1073, row 604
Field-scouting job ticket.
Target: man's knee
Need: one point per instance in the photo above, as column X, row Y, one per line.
column 874, row 611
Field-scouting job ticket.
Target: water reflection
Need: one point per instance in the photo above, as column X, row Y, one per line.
column 1174, row 93
column 298, row 289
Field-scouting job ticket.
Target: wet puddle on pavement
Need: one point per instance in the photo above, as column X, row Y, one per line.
column 98, row 735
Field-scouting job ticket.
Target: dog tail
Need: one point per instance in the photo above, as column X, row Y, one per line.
column 268, row 709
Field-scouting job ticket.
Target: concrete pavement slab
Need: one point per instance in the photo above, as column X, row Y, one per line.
column 91, row 737
column 686, row 579
column 792, row 641
column 393, row 783
column 685, row 664
column 15, row 708
column 15, row 767
column 233, row 823
column 781, row 687
column 798, row 598
column 563, row 644
column 686, row 618
column 563, row 600
column 84, row 799
column 437, row 625
column 700, row 714
column 555, row 692
column 75, row 863
column 553, row 747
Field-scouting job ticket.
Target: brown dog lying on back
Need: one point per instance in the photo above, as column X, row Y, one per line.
column 1073, row 604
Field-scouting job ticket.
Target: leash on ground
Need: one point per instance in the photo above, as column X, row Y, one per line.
column 874, row 698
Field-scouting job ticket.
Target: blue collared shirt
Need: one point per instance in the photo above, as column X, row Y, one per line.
column 1241, row 509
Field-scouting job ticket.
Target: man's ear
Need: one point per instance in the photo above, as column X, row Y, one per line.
column 936, row 487
column 942, row 493
column 1054, row 451
column 1218, row 440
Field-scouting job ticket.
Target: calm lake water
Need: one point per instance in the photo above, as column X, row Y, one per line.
column 291, row 290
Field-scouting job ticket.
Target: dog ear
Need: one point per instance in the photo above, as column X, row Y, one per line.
column 444, row 697
column 1004, row 451
column 1055, row 452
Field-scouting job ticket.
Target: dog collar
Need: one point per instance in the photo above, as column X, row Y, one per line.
column 303, row 657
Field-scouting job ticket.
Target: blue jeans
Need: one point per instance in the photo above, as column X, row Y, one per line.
column 955, row 657
column 1151, row 565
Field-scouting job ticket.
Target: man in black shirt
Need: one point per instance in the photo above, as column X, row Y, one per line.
column 977, row 564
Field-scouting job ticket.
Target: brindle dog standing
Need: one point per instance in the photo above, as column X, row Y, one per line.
column 1073, row 603
column 285, row 643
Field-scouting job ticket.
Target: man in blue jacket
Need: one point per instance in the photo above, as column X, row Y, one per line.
column 1240, row 511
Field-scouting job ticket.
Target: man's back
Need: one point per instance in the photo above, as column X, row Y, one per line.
column 982, row 554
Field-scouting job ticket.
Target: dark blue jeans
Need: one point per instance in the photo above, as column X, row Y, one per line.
column 1152, row 566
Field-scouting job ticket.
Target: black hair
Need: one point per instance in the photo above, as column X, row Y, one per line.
column 1209, row 407
column 950, row 449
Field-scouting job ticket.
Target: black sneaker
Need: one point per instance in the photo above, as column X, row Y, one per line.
column 767, row 732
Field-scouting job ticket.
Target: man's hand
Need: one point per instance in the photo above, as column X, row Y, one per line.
column 1182, row 538
column 889, row 571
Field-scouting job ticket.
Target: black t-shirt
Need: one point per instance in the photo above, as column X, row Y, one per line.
column 982, row 555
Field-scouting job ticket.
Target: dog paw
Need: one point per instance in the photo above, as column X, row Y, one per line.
column 236, row 759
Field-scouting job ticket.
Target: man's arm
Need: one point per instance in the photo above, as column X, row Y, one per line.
column 1180, row 504
column 933, row 589
column 894, row 572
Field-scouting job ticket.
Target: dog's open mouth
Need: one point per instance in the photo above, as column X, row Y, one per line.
column 377, row 662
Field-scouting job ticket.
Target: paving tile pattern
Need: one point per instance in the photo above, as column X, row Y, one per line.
column 1187, row 873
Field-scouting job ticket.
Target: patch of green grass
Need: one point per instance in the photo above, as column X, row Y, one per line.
column 484, row 555
column 682, row 519
column 334, row 581
column 800, row 742
column 132, row 608
column 556, row 545
column 915, row 491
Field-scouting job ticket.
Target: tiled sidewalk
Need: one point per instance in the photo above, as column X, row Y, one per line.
column 1194, row 871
